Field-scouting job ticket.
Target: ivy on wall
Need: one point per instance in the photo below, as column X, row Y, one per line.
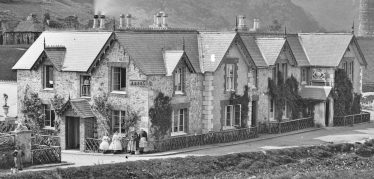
column 345, row 101
column 104, row 108
column 243, row 101
column 161, row 116
column 57, row 102
column 286, row 92
column 32, row 108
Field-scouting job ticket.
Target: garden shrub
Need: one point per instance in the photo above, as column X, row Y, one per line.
column 6, row 159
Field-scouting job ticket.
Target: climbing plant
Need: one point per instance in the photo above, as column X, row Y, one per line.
column 160, row 116
column 243, row 101
column 132, row 118
column 346, row 102
column 32, row 108
column 286, row 92
column 58, row 103
column 104, row 108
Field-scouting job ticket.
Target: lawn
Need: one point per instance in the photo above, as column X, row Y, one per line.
column 330, row 161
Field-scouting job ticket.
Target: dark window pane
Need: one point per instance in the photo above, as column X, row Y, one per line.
column 123, row 78
column 52, row 118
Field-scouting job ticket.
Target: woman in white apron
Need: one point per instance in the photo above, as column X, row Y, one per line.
column 116, row 145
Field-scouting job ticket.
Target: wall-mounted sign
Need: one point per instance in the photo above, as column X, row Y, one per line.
column 318, row 75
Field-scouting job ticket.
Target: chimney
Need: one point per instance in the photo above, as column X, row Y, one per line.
column 158, row 15
column 128, row 20
column 256, row 25
column 240, row 23
column 102, row 21
column 164, row 17
column 96, row 22
column 122, row 21
column 366, row 21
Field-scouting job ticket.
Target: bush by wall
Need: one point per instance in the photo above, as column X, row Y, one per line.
column 6, row 159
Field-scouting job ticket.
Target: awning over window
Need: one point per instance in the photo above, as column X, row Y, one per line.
column 315, row 92
column 81, row 107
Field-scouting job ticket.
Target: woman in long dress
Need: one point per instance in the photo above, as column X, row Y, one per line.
column 131, row 146
column 143, row 141
column 116, row 145
column 104, row 145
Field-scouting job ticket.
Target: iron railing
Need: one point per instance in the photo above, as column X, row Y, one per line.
column 46, row 155
column 350, row 120
column 47, row 140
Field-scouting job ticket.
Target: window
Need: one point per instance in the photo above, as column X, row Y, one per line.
column 179, row 120
column 285, row 71
column 303, row 75
column 49, row 120
column 352, row 70
column 179, row 80
column 85, row 86
column 233, row 115
column 48, row 76
column 230, row 77
column 271, row 108
column 118, row 121
column 118, row 79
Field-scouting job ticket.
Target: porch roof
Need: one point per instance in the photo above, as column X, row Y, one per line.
column 315, row 92
column 81, row 107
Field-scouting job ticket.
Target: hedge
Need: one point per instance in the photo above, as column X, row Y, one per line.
column 238, row 165
column 6, row 159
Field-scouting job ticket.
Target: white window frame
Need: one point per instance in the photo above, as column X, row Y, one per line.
column 85, row 87
column 230, row 77
column 272, row 109
column 114, row 73
column 180, row 122
column 50, row 80
column 51, row 114
column 121, row 119
column 230, row 110
column 178, row 81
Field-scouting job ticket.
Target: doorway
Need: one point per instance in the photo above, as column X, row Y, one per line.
column 327, row 113
column 254, row 114
column 72, row 133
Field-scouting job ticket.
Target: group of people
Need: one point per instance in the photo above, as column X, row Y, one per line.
column 136, row 142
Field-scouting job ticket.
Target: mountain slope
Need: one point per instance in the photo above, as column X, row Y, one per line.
column 203, row 14
column 334, row 15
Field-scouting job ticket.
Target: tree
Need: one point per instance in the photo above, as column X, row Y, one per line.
column 275, row 26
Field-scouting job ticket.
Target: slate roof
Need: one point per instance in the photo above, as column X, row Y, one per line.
column 315, row 92
column 325, row 49
column 367, row 47
column 56, row 55
column 270, row 48
column 82, row 48
column 146, row 48
column 82, row 108
column 9, row 55
column 213, row 46
column 171, row 60
column 254, row 51
column 297, row 50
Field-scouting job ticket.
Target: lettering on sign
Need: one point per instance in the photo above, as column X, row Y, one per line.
column 139, row 83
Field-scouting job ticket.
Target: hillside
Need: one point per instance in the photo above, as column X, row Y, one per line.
column 204, row 14
column 212, row 14
column 333, row 15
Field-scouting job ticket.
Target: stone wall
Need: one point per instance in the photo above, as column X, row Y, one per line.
column 263, row 103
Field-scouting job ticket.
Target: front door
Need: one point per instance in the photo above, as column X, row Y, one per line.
column 254, row 114
column 72, row 133
column 327, row 113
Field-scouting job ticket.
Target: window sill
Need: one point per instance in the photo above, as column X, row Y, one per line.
column 118, row 92
column 178, row 93
column 86, row 97
column 48, row 89
column 174, row 134
column 49, row 128
column 228, row 128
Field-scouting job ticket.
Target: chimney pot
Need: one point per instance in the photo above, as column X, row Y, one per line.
column 121, row 21
column 96, row 22
column 128, row 20
column 164, row 17
column 241, row 26
column 102, row 21
column 159, row 15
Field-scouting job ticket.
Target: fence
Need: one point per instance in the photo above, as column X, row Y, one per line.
column 204, row 139
column 46, row 140
column 6, row 127
column 350, row 120
column 45, row 155
column 7, row 142
column 93, row 145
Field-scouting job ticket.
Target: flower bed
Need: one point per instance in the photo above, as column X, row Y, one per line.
column 292, row 161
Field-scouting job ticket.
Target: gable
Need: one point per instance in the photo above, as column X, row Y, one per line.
column 175, row 59
column 286, row 56
column 270, row 48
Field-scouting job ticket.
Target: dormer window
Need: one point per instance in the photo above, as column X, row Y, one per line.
column 179, row 80
column 48, row 81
